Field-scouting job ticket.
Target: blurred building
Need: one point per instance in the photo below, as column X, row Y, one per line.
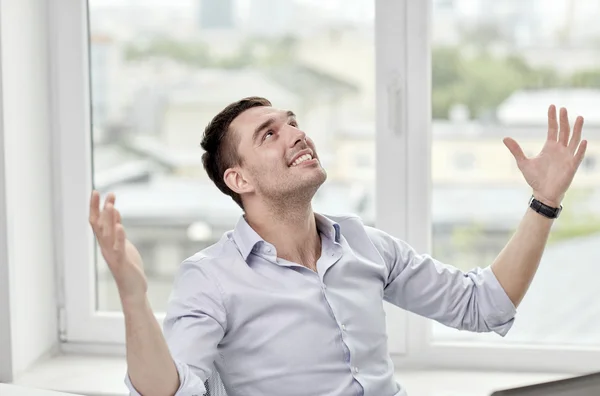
column 271, row 17
column 106, row 63
column 170, row 208
column 165, row 189
column 216, row 14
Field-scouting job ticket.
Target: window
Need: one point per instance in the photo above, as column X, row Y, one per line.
column 503, row 67
column 134, row 89
column 589, row 163
column 157, row 73
column 159, row 88
column 464, row 161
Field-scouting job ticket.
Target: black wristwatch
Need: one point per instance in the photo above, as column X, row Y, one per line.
column 543, row 209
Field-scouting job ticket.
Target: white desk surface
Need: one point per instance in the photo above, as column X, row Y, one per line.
column 14, row 390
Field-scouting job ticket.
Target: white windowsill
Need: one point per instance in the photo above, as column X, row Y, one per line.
column 103, row 376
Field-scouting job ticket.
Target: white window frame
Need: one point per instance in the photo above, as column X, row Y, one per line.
column 82, row 326
column 71, row 129
column 422, row 350
column 6, row 363
column 403, row 191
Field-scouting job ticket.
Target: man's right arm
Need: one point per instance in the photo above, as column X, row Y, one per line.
column 179, row 362
column 150, row 366
column 194, row 325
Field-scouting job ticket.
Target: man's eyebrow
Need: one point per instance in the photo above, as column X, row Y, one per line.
column 268, row 123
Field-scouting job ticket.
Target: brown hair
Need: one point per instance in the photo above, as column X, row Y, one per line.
column 220, row 145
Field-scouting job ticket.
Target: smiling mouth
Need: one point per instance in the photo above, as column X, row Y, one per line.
column 301, row 159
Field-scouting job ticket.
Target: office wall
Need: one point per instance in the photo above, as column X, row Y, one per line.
column 27, row 185
column 5, row 334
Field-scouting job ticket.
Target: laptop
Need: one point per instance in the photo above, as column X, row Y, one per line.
column 585, row 385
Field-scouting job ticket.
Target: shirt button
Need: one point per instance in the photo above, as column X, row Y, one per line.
column 324, row 286
column 344, row 327
column 355, row 369
column 269, row 250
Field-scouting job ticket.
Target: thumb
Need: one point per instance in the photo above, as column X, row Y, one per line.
column 515, row 149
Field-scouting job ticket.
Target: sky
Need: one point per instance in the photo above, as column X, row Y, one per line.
column 363, row 10
column 352, row 9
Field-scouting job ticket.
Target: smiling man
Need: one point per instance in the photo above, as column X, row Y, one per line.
column 290, row 302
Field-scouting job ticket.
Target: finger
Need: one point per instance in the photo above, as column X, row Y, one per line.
column 119, row 244
column 108, row 225
column 552, row 123
column 94, row 209
column 515, row 149
column 110, row 199
column 580, row 154
column 105, row 216
column 565, row 128
column 117, row 217
column 576, row 137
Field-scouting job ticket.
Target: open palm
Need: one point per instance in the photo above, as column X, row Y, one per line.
column 123, row 259
column 551, row 172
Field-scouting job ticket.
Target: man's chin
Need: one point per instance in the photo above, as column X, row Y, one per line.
column 308, row 187
column 319, row 178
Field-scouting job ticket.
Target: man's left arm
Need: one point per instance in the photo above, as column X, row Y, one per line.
column 518, row 262
column 485, row 299
column 473, row 300
column 549, row 174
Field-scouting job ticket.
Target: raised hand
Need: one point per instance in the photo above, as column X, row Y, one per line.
column 551, row 172
column 122, row 257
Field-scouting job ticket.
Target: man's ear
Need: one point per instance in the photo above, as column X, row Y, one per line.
column 235, row 180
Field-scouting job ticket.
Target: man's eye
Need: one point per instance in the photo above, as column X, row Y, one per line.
column 268, row 134
column 294, row 124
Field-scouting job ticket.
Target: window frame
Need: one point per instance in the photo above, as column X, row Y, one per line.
column 82, row 327
column 403, row 200
column 6, row 363
column 422, row 350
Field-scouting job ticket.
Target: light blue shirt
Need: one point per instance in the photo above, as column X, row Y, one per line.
column 273, row 327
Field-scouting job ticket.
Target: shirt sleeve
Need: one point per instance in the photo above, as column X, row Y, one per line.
column 473, row 300
column 194, row 324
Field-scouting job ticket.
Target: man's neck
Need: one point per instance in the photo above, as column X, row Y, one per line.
column 292, row 231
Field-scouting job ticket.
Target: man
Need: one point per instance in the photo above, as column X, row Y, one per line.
column 291, row 302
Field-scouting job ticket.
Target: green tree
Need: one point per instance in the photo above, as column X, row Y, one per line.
column 574, row 223
column 586, row 78
column 489, row 82
column 482, row 35
column 195, row 53
column 259, row 51
column 481, row 81
column 447, row 80
column 543, row 77
column 282, row 51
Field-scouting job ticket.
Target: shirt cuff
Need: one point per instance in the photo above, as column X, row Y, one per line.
column 499, row 311
column 189, row 383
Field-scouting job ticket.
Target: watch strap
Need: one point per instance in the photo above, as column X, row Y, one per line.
column 543, row 209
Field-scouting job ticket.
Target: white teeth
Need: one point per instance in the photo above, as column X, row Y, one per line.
column 301, row 159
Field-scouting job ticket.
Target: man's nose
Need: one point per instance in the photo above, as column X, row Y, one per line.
column 295, row 135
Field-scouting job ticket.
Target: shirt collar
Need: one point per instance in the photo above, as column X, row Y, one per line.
column 246, row 238
column 328, row 227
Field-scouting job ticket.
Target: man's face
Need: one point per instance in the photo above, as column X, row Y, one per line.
column 279, row 162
